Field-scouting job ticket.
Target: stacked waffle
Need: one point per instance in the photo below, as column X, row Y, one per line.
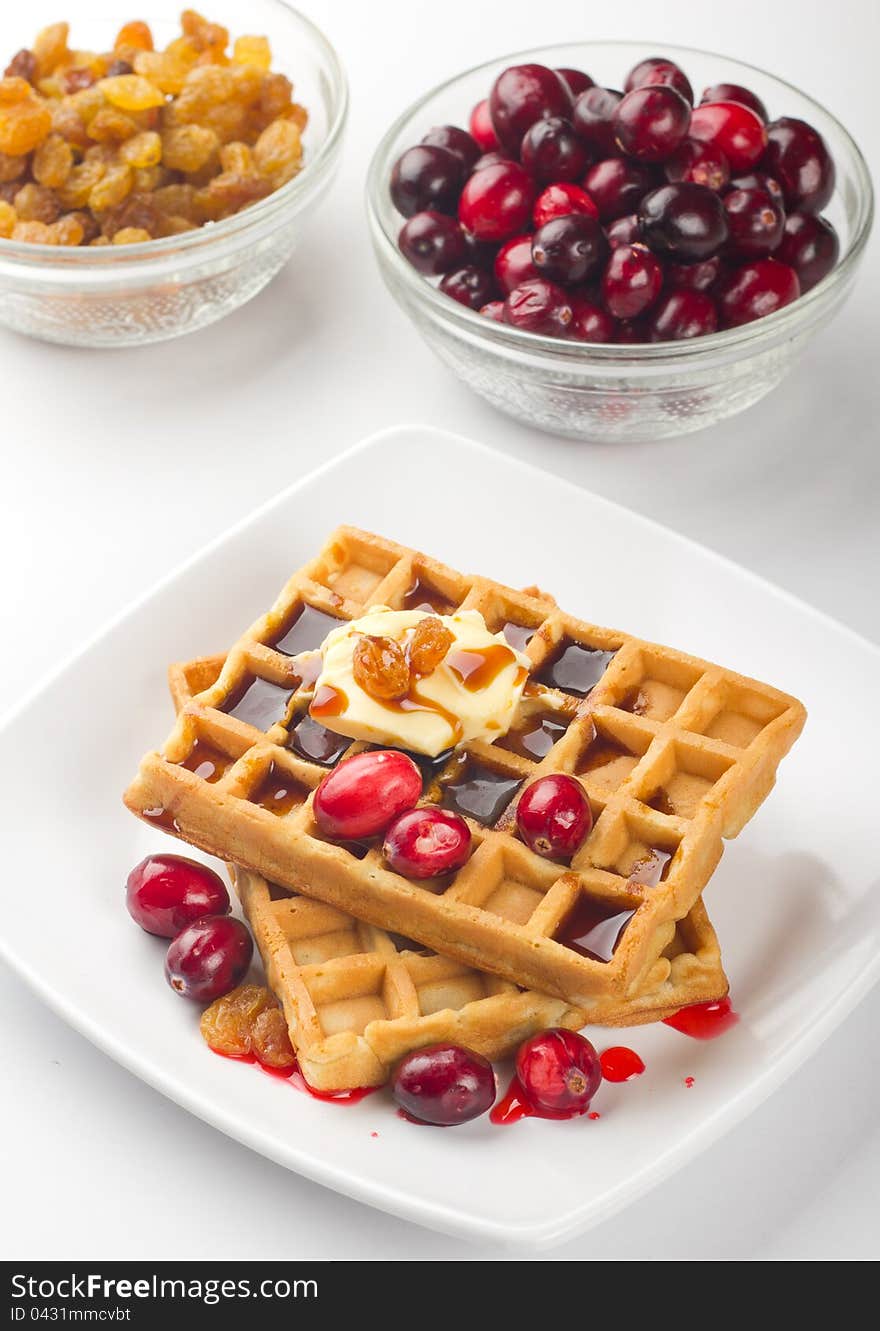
column 673, row 753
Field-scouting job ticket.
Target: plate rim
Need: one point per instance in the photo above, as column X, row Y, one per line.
column 534, row 1234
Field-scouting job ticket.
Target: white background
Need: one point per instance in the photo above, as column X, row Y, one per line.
column 120, row 464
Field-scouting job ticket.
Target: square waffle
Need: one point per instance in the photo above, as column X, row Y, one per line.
column 674, row 754
column 357, row 998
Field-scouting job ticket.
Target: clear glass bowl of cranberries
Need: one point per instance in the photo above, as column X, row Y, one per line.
column 614, row 241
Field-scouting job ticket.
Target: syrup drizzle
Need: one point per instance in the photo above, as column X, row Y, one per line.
column 328, row 701
column 478, row 669
column 704, row 1021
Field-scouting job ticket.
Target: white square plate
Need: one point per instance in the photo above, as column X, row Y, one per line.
column 792, row 899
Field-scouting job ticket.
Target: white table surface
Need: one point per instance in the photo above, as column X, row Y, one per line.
column 120, row 464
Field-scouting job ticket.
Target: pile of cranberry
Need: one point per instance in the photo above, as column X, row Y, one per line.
column 577, row 211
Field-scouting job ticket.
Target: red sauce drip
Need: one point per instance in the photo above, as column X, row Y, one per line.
column 689, row 1081
column 704, row 1021
column 298, row 1081
column 620, row 1063
column 328, row 702
column 593, row 1115
column 515, row 1105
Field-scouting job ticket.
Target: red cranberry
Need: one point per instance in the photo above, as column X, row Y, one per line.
column 810, row 246
column 457, row 141
column 496, row 201
column 651, row 122
column 623, row 231
column 469, row 285
column 799, row 159
column 616, row 186
column 480, row 253
column 523, row 94
column 591, row 117
column 494, row 310
column 631, row 282
column 552, row 151
column 680, row 314
column 755, row 221
column 553, row 816
column 513, row 263
column 759, row 180
column 208, row 958
column 539, row 307
column 733, row 128
column 492, row 158
column 590, row 323
column 423, row 843
column 694, row 276
column 444, row 1084
column 658, row 70
column 698, row 164
column 481, row 127
column 426, row 177
column 576, row 80
column 568, row 249
column 559, row 1071
column 735, row 92
column 560, row 200
column 360, row 797
column 631, row 330
column 755, row 290
column 166, row 892
column 687, row 222
column 432, row 242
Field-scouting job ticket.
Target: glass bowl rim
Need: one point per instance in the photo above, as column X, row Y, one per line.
column 29, row 256
column 564, row 349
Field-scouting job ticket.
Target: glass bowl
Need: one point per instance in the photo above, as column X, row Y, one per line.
column 618, row 392
column 125, row 295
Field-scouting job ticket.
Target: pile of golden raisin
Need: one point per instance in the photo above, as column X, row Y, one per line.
column 134, row 143
column 385, row 669
column 248, row 1021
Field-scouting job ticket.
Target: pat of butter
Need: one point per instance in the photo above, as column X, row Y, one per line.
column 472, row 694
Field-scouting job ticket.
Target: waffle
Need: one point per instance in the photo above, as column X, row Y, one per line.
column 674, row 754
column 357, row 998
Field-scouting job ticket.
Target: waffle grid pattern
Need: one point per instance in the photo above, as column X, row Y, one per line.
column 674, row 754
column 357, row 998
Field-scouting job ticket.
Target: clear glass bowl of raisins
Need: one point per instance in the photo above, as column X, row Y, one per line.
column 129, row 223
column 610, row 252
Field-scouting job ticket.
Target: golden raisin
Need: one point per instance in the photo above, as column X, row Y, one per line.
column 253, row 51
column 69, row 124
column 237, row 157
column 23, row 65
column 74, row 80
column 278, row 151
column 188, row 147
column 139, row 212
column 164, row 71
column 68, row 230
column 131, row 235
column 271, row 1039
column 380, row 667
column 131, row 92
column 238, row 1024
column 50, row 48
column 35, row 203
column 8, row 219
column 11, row 167
column 203, row 33
column 146, row 179
column 23, row 126
column 134, row 36
column 14, row 90
column 36, row 233
column 75, row 191
column 428, row 645
column 111, row 126
column 52, row 162
column 114, row 186
column 144, row 149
